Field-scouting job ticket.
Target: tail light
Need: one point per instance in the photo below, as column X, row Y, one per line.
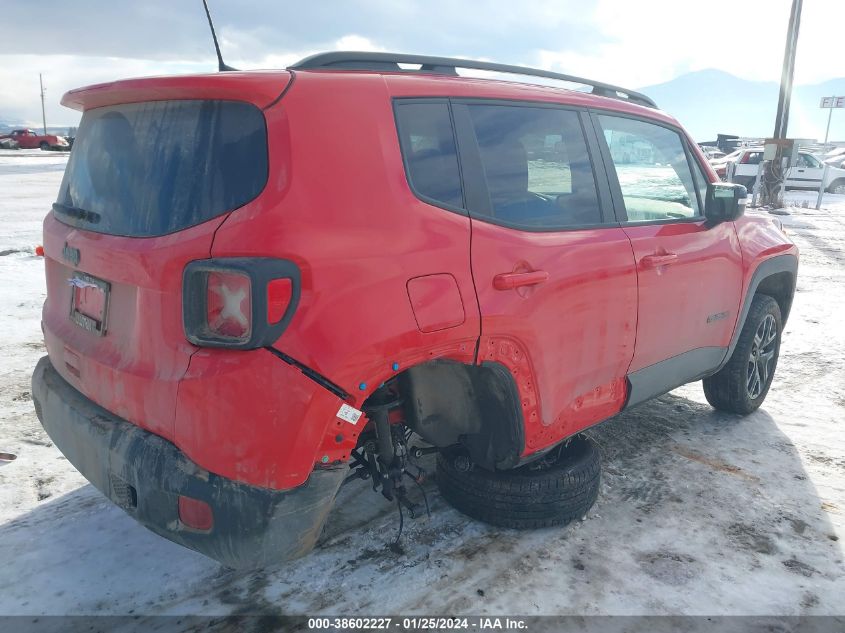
column 239, row 303
column 279, row 293
column 228, row 305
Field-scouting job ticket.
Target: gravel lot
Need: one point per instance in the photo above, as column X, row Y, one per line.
column 700, row 512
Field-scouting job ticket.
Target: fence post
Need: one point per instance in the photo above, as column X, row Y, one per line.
column 756, row 188
column 821, row 186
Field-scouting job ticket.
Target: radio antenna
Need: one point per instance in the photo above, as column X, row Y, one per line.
column 221, row 64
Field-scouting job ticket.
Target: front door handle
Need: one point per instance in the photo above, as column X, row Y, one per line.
column 653, row 261
column 509, row 281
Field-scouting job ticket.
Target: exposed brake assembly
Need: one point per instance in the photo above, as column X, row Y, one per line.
column 383, row 456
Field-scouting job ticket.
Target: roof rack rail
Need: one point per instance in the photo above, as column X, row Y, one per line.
column 389, row 62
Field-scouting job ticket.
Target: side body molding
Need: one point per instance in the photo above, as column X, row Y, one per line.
column 655, row 380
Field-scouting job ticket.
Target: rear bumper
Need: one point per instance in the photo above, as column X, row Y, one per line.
column 145, row 474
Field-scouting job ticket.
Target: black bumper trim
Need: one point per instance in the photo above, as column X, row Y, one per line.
column 253, row 527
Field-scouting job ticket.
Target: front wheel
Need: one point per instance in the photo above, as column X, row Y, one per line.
column 742, row 384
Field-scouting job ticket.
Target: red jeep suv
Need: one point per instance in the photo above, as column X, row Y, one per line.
column 263, row 285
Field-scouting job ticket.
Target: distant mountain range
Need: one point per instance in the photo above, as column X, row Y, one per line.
column 708, row 102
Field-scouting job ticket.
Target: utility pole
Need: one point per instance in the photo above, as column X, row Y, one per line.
column 782, row 116
column 777, row 166
column 43, row 114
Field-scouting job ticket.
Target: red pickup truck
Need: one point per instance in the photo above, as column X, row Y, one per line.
column 29, row 139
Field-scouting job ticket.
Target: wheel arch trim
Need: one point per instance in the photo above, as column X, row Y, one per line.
column 477, row 405
column 786, row 263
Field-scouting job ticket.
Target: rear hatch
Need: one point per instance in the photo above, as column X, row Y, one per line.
column 156, row 167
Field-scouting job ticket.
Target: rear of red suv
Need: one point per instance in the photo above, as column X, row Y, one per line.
column 218, row 311
column 133, row 294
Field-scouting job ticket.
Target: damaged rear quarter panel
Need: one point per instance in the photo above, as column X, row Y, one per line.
column 249, row 416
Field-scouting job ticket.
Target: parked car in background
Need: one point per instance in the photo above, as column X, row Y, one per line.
column 807, row 172
column 711, row 153
column 835, row 158
column 724, row 159
column 834, row 154
column 29, row 139
column 7, row 142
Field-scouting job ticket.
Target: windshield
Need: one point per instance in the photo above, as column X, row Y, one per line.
column 147, row 169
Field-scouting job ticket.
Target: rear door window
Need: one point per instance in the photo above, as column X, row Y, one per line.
column 149, row 169
column 428, row 147
column 536, row 166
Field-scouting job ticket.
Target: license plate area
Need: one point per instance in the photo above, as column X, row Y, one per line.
column 89, row 302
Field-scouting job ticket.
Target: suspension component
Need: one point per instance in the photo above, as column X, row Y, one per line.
column 383, row 456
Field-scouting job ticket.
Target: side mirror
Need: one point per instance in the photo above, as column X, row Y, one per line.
column 724, row 202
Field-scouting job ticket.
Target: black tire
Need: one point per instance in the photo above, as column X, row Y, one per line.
column 730, row 389
column 555, row 490
column 45, row 146
column 839, row 183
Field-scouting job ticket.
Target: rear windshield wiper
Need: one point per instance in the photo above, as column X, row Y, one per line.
column 76, row 212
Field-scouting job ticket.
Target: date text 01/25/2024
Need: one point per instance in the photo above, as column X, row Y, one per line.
column 418, row 623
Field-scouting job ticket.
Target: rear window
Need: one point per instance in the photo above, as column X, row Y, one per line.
column 431, row 158
column 147, row 169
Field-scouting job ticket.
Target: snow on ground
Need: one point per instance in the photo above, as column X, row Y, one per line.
column 700, row 512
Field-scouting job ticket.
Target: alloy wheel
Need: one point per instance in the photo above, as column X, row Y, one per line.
column 762, row 356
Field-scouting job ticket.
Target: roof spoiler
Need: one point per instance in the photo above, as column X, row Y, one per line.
column 389, row 62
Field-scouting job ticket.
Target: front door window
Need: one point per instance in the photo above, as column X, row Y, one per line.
column 653, row 170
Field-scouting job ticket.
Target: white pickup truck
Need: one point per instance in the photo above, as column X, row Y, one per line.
column 806, row 174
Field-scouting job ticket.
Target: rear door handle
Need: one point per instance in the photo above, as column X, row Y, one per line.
column 653, row 261
column 509, row 281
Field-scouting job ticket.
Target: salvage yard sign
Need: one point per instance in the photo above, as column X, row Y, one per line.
column 831, row 103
